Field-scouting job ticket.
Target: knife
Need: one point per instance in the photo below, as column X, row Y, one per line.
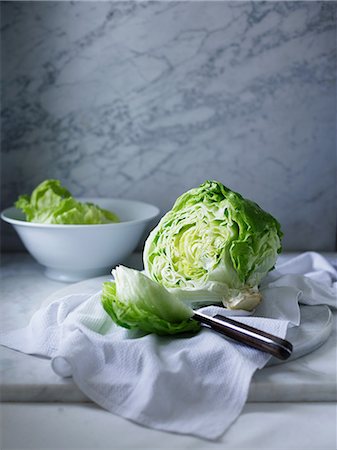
column 261, row 340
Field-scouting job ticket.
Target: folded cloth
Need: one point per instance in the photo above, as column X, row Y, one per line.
column 193, row 384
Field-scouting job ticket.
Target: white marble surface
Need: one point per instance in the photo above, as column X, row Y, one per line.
column 261, row 426
column 147, row 99
column 29, row 379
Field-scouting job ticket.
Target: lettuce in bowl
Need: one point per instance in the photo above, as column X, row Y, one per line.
column 51, row 203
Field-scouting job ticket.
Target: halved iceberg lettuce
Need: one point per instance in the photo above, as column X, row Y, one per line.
column 213, row 246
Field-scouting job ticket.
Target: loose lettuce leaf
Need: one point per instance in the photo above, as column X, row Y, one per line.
column 51, row 203
column 134, row 301
column 216, row 244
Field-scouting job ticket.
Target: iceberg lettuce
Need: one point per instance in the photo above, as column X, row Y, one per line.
column 135, row 301
column 51, row 203
column 213, row 246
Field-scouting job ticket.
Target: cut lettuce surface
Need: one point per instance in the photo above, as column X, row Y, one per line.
column 134, row 301
column 51, row 203
column 214, row 246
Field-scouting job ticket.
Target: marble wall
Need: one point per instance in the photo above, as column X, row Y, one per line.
column 145, row 100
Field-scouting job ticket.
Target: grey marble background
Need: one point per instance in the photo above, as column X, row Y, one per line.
column 146, row 100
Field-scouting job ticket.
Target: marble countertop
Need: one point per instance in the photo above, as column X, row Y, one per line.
column 260, row 426
column 30, row 379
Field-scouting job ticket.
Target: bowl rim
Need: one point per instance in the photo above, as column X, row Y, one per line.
column 156, row 211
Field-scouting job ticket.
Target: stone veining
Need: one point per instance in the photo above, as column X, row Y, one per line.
column 147, row 99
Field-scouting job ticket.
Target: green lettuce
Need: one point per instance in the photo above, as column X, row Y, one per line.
column 213, row 246
column 134, row 301
column 51, row 203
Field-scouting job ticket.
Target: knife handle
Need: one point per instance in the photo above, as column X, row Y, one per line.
column 261, row 340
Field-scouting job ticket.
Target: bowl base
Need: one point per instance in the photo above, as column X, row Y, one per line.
column 74, row 276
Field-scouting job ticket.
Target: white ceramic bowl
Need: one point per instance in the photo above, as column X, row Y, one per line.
column 75, row 252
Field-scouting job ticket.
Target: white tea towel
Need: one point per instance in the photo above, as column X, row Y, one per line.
column 194, row 385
